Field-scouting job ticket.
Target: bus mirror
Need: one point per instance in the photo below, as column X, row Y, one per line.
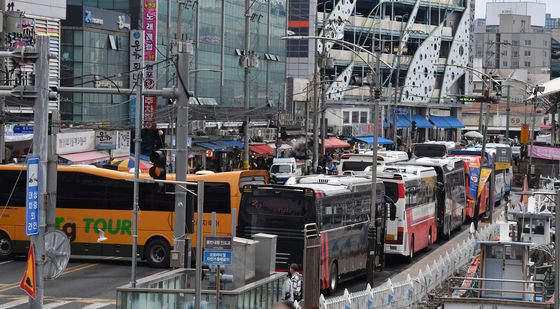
column 392, row 211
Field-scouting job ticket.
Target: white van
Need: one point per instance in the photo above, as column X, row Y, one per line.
column 282, row 169
column 359, row 162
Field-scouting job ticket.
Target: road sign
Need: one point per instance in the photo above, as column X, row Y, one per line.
column 218, row 257
column 401, row 112
column 32, row 197
column 217, row 243
column 503, row 154
column 23, row 129
column 28, row 281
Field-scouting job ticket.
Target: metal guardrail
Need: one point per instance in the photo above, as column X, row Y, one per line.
column 406, row 294
column 527, row 287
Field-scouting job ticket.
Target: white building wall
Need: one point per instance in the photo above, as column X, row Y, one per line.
column 533, row 9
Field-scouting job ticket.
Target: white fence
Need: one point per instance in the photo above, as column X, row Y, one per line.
column 406, row 294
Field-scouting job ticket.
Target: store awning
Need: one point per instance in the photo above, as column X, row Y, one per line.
column 209, row 146
column 402, row 122
column 440, row 122
column 454, row 122
column 333, row 142
column 87, row 157
column 262, row 149
column 233, row 143
column 421, row 122
column 369, row 140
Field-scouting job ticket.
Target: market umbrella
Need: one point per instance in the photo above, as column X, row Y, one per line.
column 127, row 164
column 473, row 134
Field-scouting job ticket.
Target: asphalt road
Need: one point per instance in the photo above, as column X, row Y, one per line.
column 87, row 283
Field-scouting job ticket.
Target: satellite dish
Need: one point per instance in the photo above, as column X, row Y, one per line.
column 57, row 254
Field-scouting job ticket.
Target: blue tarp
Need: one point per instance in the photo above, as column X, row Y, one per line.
column 233, row 143
column 402, row 122
column 454, row 122
column 369, row 140
column 421, row 122
column 209, row 146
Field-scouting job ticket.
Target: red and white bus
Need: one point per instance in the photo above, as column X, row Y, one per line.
column 412, row 222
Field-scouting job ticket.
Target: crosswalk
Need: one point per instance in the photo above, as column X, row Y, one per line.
column 63, row 303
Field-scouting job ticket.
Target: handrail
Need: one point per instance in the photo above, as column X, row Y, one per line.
column 525, row 283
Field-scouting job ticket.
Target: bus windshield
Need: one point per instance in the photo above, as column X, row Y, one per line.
column 391, row 191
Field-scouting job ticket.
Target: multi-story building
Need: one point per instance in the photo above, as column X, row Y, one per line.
column 551, row 22
column 424, row 47
column 96, row 52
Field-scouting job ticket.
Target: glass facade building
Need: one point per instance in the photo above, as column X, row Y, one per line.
column 217, row 31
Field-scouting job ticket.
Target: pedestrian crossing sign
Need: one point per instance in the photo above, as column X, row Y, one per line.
column 28, row 282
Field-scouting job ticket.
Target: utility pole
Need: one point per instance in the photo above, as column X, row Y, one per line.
column 136, row 187
column 485, row 92
column 374, row 97
column 508, row 110
column 179, row 222
column 52, row 169
column 316, row 85
column 40, row 149
column 483, row 159
column 247, row 63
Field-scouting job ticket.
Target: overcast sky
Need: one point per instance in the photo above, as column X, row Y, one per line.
column 552, row 6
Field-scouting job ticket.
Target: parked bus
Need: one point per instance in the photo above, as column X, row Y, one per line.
column 358, row 162
column 472, row 162
column 92, row 199
column 411, row 223
column 450, row 198
column 339, row 205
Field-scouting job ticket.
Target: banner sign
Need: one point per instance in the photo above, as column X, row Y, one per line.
column 32, row 197
column 136, row 56
column 105, row 140
column 75, row 141
column 547, row 153
column 123, row 145
column 474, row 171
column 484, row 176
column 150, row 56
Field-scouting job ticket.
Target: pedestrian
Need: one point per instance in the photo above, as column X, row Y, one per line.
column 292, row 285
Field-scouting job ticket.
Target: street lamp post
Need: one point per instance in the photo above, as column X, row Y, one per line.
column 374, row 97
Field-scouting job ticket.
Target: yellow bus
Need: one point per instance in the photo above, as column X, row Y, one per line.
column 90, row 199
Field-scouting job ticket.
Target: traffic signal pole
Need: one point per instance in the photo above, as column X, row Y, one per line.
column 136, row 192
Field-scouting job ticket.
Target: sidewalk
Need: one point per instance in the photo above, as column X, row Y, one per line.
column 440, row 251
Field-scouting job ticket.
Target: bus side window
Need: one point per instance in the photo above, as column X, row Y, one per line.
column 7, row 183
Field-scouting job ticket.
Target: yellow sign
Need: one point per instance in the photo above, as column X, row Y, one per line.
column 28, row 281
column 524, row 138
column 484, row 176
column 502, row 166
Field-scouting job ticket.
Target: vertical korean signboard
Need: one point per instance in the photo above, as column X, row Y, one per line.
column 136, row 64
column 32, row 197
column 150, row 56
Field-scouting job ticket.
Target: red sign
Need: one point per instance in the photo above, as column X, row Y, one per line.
column 150, row 57
column 28, row 281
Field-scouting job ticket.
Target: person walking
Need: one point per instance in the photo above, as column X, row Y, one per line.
column 292, row 285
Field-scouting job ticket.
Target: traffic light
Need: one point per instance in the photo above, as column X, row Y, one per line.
column 283, row 133
column 159, row 161
column 413, row 130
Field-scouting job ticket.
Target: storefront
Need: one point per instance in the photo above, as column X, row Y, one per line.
column 78, row 147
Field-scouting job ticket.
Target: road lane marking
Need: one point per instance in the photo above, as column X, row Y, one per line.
column 14, row 303
column 55, row 304
column 96, row 306
column 6, row 262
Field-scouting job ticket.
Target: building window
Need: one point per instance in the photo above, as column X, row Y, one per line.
column 345, row 117
column 363, row 117
column 527, row 64
column 515, row 64
column 545, row 43
column 515, row 43
column 355, row 117
column 527, row 42
column 504, row 63
column 527, row 53
column 504, row 53
column 515, row 53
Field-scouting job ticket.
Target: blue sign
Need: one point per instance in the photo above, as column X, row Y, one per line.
column 218, row 257
column 32, row 197
column 401, row 112
column 23, row 129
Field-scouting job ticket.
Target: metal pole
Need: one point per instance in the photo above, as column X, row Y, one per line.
column 481, row 106
column 2, row 131
column 182, row 152
column 553, row 133
column 532, row 138
column 52, row 171
column 246, row 83
column 316, row 85
column 218, row 287
column 40, row 149
column 136, row 193
column 508, row 102
column 199, row 220
column 322, row 68
column 306, row 157
column 557, row 251
column 482, row 161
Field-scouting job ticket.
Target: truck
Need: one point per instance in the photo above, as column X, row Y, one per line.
column 282, row 169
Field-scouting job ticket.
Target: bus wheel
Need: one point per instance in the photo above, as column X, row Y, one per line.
column 6, row 247
column 334, row 279
column 157, row 253
column 411, row 255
